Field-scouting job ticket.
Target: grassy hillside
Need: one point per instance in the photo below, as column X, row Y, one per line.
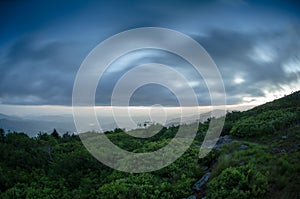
column 261, row 161
column 266, row 142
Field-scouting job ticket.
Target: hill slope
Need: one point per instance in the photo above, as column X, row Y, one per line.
column 257, row 163
column 266, row 147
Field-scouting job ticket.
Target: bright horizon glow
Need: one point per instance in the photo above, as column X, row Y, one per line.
column 36, row 110
column 128, row 117
column 248, row 102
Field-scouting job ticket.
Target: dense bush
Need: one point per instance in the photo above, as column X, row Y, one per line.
column 238, row 182
column 264, row 123
column 51, row 166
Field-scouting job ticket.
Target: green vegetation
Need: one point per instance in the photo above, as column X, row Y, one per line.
column 267, row 143
column 262, row 161
column 50, row 166
column 264, row 123
column 238, row 182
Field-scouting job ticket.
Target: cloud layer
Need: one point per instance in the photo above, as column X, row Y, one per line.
column 257, row 49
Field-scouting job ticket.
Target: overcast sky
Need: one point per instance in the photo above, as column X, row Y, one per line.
column 255, row 45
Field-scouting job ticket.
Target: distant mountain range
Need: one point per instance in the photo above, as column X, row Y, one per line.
column 33, row 125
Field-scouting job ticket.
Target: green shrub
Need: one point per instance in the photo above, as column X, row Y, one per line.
column 264, row 123
column 238, row 182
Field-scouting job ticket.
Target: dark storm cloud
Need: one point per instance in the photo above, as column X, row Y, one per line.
column 245, row 73
column 255, row 46
column 234, row 53
column 39, row 73
column 44, row 73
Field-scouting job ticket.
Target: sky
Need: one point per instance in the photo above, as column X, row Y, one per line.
column 255, row 45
